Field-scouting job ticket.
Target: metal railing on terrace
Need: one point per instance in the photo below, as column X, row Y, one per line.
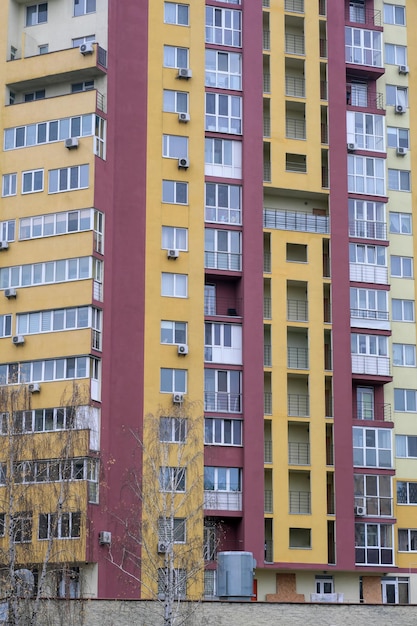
column 268, row 501
column 267, row 451
column 295, row 6
column 297, row 358
column 297, row 310
column 267, row 355
column 379, row 412
column 267, row 262
column 291, row 220
column 223, row 261
column 223, row 500
column 363, row 99
column 300, row 502
column 298, row 453
column 294, row 44
column 298, row 405
column 267, row 308
column 267, row 403
column 369, row 314
column 295, row 128
column 220, row 401
column 366, row 229
column 295, row 87
column 360, row 15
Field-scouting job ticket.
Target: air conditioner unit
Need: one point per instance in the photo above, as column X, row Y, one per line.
column 184, row 117
column 173, row 254
column 399, row 108
column 18, row 340
column 71, row 142
column 351, row 147
column 403, row 69
column 104, row 538
column 177, row 398
column 34, row 388
column 10, row 293
column 184, row 72
column 87, row 48
column 360, row 511
column 4, row 245
column 182, row 349
column 401, row 151
column 183, row 163
column 162, row 547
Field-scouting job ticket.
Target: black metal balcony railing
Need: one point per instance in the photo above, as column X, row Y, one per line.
column 298, row 405
column 298, row 453
column 267, row 403
column 267, row 355
column 300, row 502
column 297, row 310
column 267, row 451
column 219, row 401
column 291, row 220
column 268, row 501
column 378, row 411
column 297, row 358
column 365, row 229
column 369, row 314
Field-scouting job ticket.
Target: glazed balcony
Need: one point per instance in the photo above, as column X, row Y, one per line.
column 363, row 52
column 374, row 506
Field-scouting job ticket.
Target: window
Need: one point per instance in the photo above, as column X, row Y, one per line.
column 402, row 310
column 406, row 493
column 32, row 181
column 375, row 345
column 366, row 175
column 406, row 446
column 363, row 47
column 222, row 249
column 174, row 192
column 175, row 101
column 395, row 55
column 48, row 273
column 366, row 131
column 367, row 219
column 68, row 583
column 174, row 146
column 5, row 325
column 64, row 526
column 21, row 527
column 368, row 304
column 173, row 429
column 396, row 96
column 402, row 266
column 399, row 180
column 394, row 14
column 223, row 69
column 35, row 95
column 174, row 237
column 173, row 380
column 53, row 470
column 68, row 178
column 175, row 57
column 172, row 285
column 173, row 332
column 369, row 255
column 82, row 7
column 223, row 157
column 222, row 432
column 175, row 13
column 43, row 49
column 398, row 137
column 84, row 86
column 60, row 223
column 372, row 447
column 39, row 420
column 50, row 131
column 9, row 185
column 404, row 354
column 374, row 493
column 7, row 230
column 223, row 26
column 400, row 223
column 78, row 41
column 222, row 390
column 405, row 400
column 48, row 370
column 222, row 343
column 37, row 14
column 58, row 320
column 171, row 529
column 223, row 203
column 172, row 479
column 374, row 544
column 407, row 540
column 177, row 586
column 222, row 479
column 223, row 113
column 300, row 538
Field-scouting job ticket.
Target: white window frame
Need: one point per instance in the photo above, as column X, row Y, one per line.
column 172, row 479
column 367, row 254
column 53, row 224
column 175, row 101
column 366, row 175
column 180, row 57
column 405, row 400
column 358, row 52
column 223, row 157
column 50, row 131
column 173, row 333
column 223, row 26
column 358, row 127
column 223, row 479
column 403, row 446
column 171, row 287
column 33, row 177
column 373, row 542
column 37, row 16
column 375, row 503
column 172, row 190
column 410, row 540
column 226, row 206
column 7, row 230
column 392, row 14
column 218, row 393
column 42, row 420
column 174, row 237
column 378, row 451
column 370, row 345
column 9, row 185
column 405, row 223
column 69, row 178
column 49, row 272
column 176, row 13
column 173, row 380
column 372, row 299
column 406, row 312
column 395, row 54
column 399, row 180
column 398, row 137
column 85, row 7
column 223, row 249
column 396, row 95
column 406, row 486
column 367, row 219
column 223, row 69
column 220, row 431
column 402, row 266
column 223, row 113
column 174, row 147
column 67, row 368
column 59, row 320
column 5, row 325
column 173, row 429
column 404, row 355
column 78, row 41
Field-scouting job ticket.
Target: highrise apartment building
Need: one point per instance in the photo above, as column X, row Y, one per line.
column 209, row 205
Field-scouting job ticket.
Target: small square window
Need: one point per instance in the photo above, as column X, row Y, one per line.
column 296, row 253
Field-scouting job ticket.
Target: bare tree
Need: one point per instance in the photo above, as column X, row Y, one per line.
column 40, row 502
column 161, row 543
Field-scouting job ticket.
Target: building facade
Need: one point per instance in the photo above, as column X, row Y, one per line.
column 207, row 210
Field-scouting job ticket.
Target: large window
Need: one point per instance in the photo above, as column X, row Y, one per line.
column 222, row 479
column 223, row 113
column 222, row 390
column 49, row 132
column 49, row 272
column 173, row 380
column 400, row 223
column 405, row 400
column 82, row 7
column 49, row 370
column 175, row 13
column 58, row 320
column 173, row 332
column 174, row 146
column 374, row 493
column 223, row 157
column 369, row 303
column 375, row 345
column 174, row 192
column 173, row 429
column 60, row 223
column 367, row 219
column 394, row 14
column 406, row 446
column 174, row 237
column 366, row 175
column 172, row 479
column 367, row 254
column 395, row 54
column 223, row 26
column 43, row 420
column 68, row 178
column 223, row 203
column 374, row 544
column 173, row 285
column 363, row 47
column 406, row 492
column 372, row 447
column 402, row 310
column 37, row 14
column 402, row 266
column 407, row 540
column 222, row 432
column 222, row 249
column 175, row 57
column 404, row 354
column 55, row 470
column 63, row 526
column 366, row 130
column 223, row 69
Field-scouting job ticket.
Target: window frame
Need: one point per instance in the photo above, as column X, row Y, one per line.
column 219, row 212
column 178, row 382
column 361, row 181
column 402, row 303
column 172, row 479
column 405, row 440
column 402, row 361
column 402, row 182
column 221, row 118
column 374, row 541
column 170, row 151
column 173, row 429
column 223, row 476
column 365, row 447
column 405, row 223
column 396, row 95
column 179, row 236
column 215, row 433
column 406, row 398
column 218, row 77
column 176, row 96
column 34, row 186
column 54, row 527
column 175, row 186
column 396, row 53
column 84, row 7
column 9, row 185
column 394, row 7
column 404, row 496
column 64, row 175
column 39, row 14
column 176, row 534
column 177, row 51
column 399, row 142
column 411, row 539
column 174, row 287
column 175, row 340
column 176, row 20
column 221, row 28
column 406, row 266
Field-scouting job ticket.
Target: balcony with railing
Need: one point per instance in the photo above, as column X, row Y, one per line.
column 295, row 87
column 369, row 318
column 222, row 402
column 357, row 14
column 229, row 261
column 267, row 355
column 294, row 44
column 294, row 6
column 298, row 405
column 268, row 500
column 269, row 551
column 300, row 502
column 297, row 358
column 298, row 453
column 367, row 273
column 267, row 261
column 362, row 98
column 267, row 308
column 297, row 310
column 267, row 451
column 223, row 500
column 295, row 128
column 292, row 220
column 377, row 411
column 222, row 306
column 329, row 454
column 368, row 229
column 372, row 365
column 266, row 40
column 267, row 403
column 323, row 90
